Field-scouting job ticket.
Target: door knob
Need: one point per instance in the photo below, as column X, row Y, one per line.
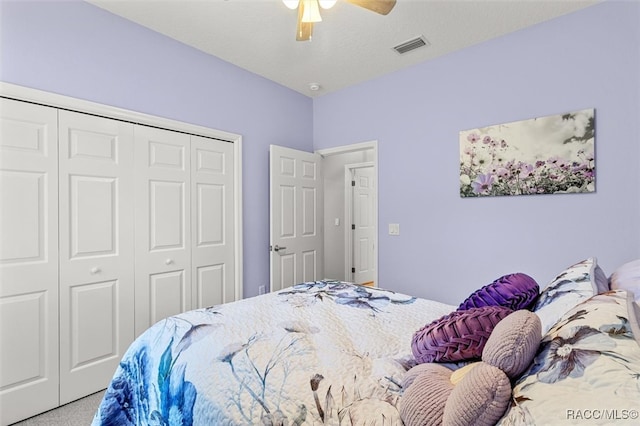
column 278, row 248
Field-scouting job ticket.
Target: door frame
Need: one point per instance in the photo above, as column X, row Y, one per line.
column 362, row 146
column 21, row 93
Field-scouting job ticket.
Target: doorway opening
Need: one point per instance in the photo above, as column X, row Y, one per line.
column 350, row 212
column 316, row 205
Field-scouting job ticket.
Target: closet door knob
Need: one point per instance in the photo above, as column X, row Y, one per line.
column 95, row 270
column 168, row 261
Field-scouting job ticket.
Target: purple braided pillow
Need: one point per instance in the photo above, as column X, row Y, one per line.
column 459, row 336
column 514, row 291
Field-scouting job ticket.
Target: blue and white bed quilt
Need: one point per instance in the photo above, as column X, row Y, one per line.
column 324, row 352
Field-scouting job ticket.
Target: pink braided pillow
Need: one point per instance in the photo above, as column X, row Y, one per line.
column 458, row 336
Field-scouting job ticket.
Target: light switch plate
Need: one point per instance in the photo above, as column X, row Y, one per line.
column 394, row 229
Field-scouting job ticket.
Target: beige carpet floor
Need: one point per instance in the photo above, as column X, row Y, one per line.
column 77, row 413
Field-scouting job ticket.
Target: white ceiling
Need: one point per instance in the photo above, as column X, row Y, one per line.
column 349, row 46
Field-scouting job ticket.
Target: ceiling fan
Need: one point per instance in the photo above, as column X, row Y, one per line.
column 309, row 12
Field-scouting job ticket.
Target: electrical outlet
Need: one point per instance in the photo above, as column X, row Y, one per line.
column 262, row 289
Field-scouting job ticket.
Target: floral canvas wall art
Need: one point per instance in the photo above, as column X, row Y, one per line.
column 545, row 155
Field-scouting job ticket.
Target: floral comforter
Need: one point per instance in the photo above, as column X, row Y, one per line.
column 324, row 352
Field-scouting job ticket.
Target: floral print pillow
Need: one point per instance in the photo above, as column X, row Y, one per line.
column 572, row 286
column 587, row 367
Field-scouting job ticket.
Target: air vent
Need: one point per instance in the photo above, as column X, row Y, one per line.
column 410, row 45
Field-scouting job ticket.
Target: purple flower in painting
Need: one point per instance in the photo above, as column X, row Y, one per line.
column 502, row 172
column 577, row 167
column 486, row 140
column 563, row 164
column 525, row 170
column 473, row 138
column 554, row 160
column 561, row 358
column 483, row 183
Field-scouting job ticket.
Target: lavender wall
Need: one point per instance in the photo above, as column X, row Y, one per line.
column 450, row 246
column 75, row 49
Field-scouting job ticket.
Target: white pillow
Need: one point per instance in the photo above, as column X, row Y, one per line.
column 627, row 277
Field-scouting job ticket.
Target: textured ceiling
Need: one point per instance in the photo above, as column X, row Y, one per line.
column 349, row 46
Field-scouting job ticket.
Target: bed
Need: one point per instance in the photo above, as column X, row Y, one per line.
column 331, row 352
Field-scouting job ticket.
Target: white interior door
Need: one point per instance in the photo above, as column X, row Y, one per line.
column 296, row 216
column 212, row 222
column 364, row 228
column 96, row 250
column 28, row 260
column 163, row 231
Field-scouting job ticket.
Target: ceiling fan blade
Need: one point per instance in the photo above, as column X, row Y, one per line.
column 304, row 30
column 382, row 7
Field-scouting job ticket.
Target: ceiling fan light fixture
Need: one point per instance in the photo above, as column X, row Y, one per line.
column 327, row 4
column 311, row 11
column 291, row 4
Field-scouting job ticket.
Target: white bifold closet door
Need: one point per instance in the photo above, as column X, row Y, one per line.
column 163, row 250
column 212, row 222
column 28, row 260
column 96, row 250
column 184, row 224
column 106, row 227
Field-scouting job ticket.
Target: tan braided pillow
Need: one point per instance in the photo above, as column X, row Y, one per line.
column 430, row 388
column 480, row 399
column 483, row 394
column 514, row 343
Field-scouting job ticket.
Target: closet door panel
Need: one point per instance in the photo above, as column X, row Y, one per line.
column 163, row 229
column 212, row 218
column 166, row 294
column 28, row 260
column 96, row 250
